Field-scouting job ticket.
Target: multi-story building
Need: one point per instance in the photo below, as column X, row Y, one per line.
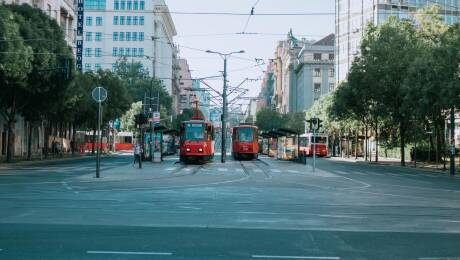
column 352, row 16
column 267, row 88
column 314, row 73
column 187, row 95
column 140, row 30
column 283, row 72
column 202, row 97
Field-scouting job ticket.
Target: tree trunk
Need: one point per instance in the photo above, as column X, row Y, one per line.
column 73, row 146
column 356, row 144
column 402, row 132
column 438, row 143
column 29, row 142
column 46, row 138
column 365, row 144
column 376, row 142
column 11, row 137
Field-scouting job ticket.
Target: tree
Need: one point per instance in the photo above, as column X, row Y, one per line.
column 15, row 65
column 127, row 120
column 268, row 119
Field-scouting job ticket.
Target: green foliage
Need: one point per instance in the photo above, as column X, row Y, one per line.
column 127, row 120
column 268, row 119
column 184, row 116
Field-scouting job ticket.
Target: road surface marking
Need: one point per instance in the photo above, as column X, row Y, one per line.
column 128, row 253
column 185, row 207
column 292, row 171
column 257, row 170
column 296, row 257
column 340, row 216
column 275, row 170
column 170, row 169
column 239, row 170
column 438, row 258
column 222, row 169
column 188, row 169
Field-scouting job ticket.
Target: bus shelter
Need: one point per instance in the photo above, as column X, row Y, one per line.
column 154, row 138
column 282, row 143
column 170, row 141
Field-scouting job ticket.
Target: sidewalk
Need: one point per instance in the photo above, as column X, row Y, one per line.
column 395, row 162
column 36, row 161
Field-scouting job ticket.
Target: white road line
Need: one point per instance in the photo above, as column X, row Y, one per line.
column 222, row 169
column 340, row 216
column 275, row 170
column 128, row 253
column 239, row 170
column 292, row 171
column 439, row 258
column 170, row 169
column 296, row 257
column 257, row 170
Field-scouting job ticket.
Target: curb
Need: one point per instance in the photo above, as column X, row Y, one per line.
column 7, row 166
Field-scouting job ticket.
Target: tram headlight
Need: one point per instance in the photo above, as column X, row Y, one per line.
column 200, row 149
column 188, row 149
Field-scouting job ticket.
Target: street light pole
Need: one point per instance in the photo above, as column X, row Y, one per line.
column 224, row 114
column 224, row 101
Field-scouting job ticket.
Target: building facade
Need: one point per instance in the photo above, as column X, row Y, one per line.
column 202, row 97
column 187, row 95
column 140, row 30
column 314, row 73
column 351, row 17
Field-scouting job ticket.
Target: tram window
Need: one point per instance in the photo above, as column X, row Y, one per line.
column 245, row 134
column 303, row 141
column 194, row 132
column 320, row 140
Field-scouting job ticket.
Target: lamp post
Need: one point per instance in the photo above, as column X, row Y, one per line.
column 224, row 99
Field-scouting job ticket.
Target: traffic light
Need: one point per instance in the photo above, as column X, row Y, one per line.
column 315, row 123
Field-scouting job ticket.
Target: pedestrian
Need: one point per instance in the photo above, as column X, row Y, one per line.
column 137, row 155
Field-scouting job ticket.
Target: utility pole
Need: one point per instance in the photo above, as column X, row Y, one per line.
column 224, row 105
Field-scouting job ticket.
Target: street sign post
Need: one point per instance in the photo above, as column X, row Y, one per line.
column 99, row 94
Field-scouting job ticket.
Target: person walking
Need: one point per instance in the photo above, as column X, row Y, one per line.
column 137, row 155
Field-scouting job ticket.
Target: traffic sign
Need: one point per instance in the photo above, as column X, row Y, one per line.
column 156, row 116
column 99, row 94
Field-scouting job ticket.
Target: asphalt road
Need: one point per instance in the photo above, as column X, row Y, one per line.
column 264, row 209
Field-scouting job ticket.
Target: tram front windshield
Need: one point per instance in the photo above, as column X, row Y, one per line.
column 245, row 134
column 319, row 140
column 194, row 132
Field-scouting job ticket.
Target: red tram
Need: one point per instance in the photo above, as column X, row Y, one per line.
column 196, row 141
column 245, row 142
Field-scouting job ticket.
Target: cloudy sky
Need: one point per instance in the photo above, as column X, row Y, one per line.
column 218, row 33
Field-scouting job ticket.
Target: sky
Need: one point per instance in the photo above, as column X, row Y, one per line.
column 202, row 32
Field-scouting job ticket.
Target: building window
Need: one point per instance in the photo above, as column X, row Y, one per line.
column 128, row 36
column 122, row 20
column 87, row 52
column 98, row 52
column 98, row 37
column 122, row 36
column 128, row 20
column 141, row 36
column 134, row 36
column 317, row 72
column 89, row 36
column 317, row 88
column 94, row 4
column 141, row 5
column 114, row 51
column 97, row 66
column 115, row 20
column 331, row 56
column 134, row 52
column 116, row 5
column 129, row 5
column 98, row 21
column 331, row 72
column 88, row 67
column 135, row 20
column 141, row 52
column 141, row 20
column 331, row 86
column 128, row 52
column 115, row 36
column 123, row 5
column 136, row 5
column 89, row 21
column 316, row 56
column 121, row 52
